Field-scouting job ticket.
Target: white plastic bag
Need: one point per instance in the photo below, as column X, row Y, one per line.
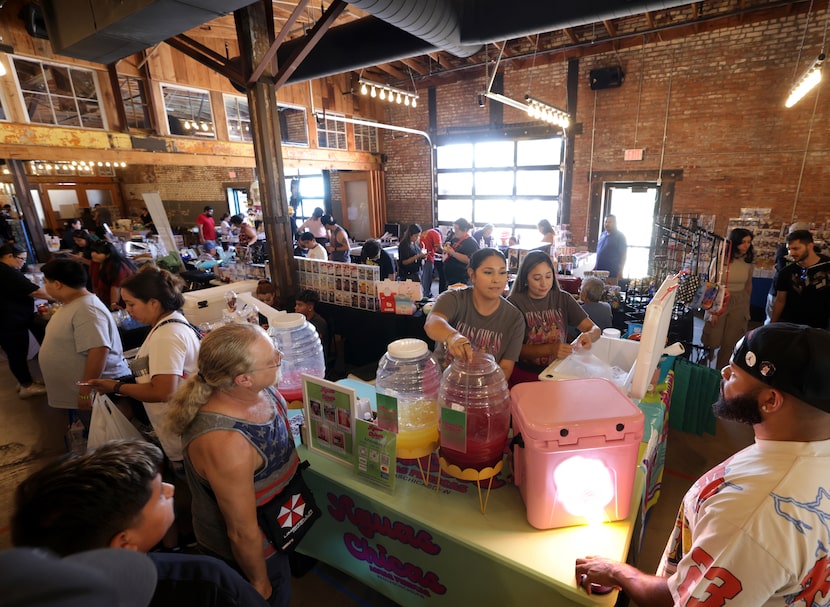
column 108, row 423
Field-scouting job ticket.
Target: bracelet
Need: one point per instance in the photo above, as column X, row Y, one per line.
column 85, row 396
column 117, row 388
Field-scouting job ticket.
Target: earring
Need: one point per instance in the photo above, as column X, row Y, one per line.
column 764, row 409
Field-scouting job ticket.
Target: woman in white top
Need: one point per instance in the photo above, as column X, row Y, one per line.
column 723, row 331
column 167, row 356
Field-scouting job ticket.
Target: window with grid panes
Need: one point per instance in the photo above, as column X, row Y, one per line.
column 331, row 133
column 293, row 125
column 188, row 111
column 59, row 94
column 239, row 118
column 512, row 184
column 134, row 100
column 365, row 138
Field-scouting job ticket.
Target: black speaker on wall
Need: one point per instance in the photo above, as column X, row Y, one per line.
column 606, row 78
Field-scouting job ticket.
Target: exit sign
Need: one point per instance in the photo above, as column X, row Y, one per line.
column 633, row 154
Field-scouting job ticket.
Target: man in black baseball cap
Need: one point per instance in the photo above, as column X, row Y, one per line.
column 754, row 530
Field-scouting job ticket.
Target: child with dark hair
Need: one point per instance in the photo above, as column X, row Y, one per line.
column 114, row 497
column 373, row 254
column 306, row 302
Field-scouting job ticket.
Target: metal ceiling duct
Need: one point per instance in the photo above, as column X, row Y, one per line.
column 491, row 21
column 105, row 31
column 456, row 26
column 436, row 21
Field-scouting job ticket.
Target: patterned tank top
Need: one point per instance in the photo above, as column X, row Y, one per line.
column 272, row 440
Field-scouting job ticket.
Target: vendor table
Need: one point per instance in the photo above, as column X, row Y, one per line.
column 366, row 334
column 419, row 546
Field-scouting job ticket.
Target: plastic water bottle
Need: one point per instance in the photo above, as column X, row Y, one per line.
column 409, row 374
column 475, row 427
column 302, row 351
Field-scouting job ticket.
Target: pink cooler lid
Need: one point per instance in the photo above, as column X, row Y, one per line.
column 586, row 407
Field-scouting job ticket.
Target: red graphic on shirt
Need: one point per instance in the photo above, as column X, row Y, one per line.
column 816, row 583
column 722, row 587
column 292, row 511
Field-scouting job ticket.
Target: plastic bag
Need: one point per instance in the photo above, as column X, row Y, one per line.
column 108, row 423
column 583, row 364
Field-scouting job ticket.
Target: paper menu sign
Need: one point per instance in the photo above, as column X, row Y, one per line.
column 330, row 412
column 375, row 459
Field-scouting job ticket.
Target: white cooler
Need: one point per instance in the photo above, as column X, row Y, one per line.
column 206, row 305
column 641, row 358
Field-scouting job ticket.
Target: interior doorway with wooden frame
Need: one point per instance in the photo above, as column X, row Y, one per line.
column 364, row 203
column 63, row 201
column 636, row 199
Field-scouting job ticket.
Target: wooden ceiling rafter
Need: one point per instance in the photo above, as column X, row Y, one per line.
column 392, row 71
column 206, row 56
column 278, row 40
column 320, row 28
column 416, row 65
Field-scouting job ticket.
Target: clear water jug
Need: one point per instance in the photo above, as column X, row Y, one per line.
column 302, row 352
column 475, row 412
column 408, row 377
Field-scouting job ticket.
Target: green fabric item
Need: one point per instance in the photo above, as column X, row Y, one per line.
column 696, row 388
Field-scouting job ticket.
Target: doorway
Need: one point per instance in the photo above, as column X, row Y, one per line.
column 635, row 205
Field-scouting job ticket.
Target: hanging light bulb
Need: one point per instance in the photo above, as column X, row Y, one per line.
column 383, row 94
column 414, row 102
column 398, row 99
column 123, row 165
column 374, row 92
column 364, row 89
column 406, row 100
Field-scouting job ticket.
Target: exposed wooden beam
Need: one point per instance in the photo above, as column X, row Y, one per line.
column 321, row 27
column 650, row 19
column 396, row 73
column 571, row 35
column 279, row 38
column 206, row 56
column 609, row 27
column 415, row 65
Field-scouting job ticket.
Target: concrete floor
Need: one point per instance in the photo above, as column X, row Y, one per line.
column 31, row 433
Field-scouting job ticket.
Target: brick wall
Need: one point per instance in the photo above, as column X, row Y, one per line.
column 185, row 190
column 719, row 96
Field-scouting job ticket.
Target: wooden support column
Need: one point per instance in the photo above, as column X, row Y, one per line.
column 34, row 228
column 255, row 31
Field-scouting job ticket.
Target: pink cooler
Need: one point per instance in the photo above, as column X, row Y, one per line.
column 575, row 451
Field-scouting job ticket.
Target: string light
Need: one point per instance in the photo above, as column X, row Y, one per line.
column 388, row 93
column 806, row 83
column 547, row 113
column 70, row 167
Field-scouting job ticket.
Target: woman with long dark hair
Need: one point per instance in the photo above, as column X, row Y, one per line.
column 546, row 230
column 478, row 317
column 457, row 252
column 722, row 331
column 548, row 312
column 410, row 257
column 109, row 271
